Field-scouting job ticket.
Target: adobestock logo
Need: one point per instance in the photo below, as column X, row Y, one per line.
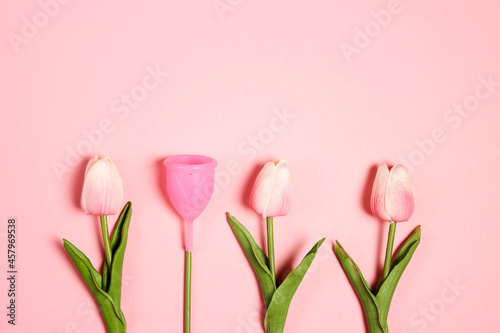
column 461, row 111
column 223, row 6
column 31, row 26
column 121, row 106
column 277, row 124
column 425, row 315
column 453, row 117
column 251, row 145
column 252, row 322
column 379, row 19
column 138, row 93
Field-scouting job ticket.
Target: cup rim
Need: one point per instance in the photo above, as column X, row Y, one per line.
column 190, row 162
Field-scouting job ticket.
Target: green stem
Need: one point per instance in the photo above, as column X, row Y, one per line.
column 388, row 252
column 105, row 239
column 270, row 248
column 187, row 293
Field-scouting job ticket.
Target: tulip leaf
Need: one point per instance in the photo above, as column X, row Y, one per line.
column 113, row 316
column 277, row 311
column 105, row 277
column 363, row 290
column 398, row 265
column 256, row 257
column 118, row 245
column 376, row 303
column 81, row 259
column 114, row 242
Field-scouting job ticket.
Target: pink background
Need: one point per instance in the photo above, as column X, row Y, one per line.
column 355, row 92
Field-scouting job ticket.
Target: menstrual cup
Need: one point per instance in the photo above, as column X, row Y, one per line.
column 190, row 184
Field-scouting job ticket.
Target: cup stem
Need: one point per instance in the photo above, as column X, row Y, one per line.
column 187, row 293
column 187, row 276
column 189, row 236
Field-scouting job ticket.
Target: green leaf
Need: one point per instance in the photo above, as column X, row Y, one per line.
column 114, row 242
column 113, row 316
column 118, row 245
column 82, row 262
column 277, row 311
column 257, row 258
column 409, row 242
column 105, row 277
column 375, row 303
column 363, row 290
column 398, row 265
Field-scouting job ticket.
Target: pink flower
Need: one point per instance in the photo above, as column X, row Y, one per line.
column 272, row 190
column 392, row 198
column 102, row 192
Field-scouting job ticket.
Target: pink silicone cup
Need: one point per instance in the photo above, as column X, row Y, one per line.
column 190, row 184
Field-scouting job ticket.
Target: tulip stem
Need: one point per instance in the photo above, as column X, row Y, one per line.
column 105, row 239
column 187, row 293
column 270, row 248
column 388, row 252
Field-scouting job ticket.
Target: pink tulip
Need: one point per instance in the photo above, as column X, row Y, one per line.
column 392, row 198
column 272, row 190
column 102, row 192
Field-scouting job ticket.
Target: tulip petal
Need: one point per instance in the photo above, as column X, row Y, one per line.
column 260, row 196
column 83, row 200
column 102, row 192
column 399, row 198
column 281, row 191
column 377, row 202
column 90, row 164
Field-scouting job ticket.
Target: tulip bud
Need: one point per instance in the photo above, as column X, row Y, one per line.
column 272, row 190
column 392, row 197
column 102, row 192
